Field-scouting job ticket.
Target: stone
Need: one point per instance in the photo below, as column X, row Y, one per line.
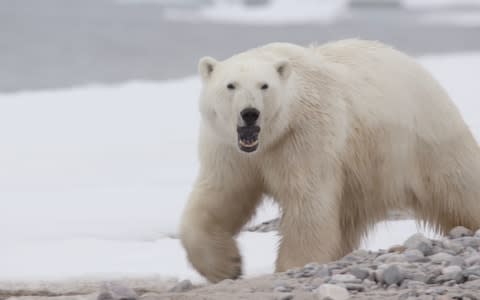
column 182, row 286
column 441, row 257
column 468, row 241
column 393, row 275
column 383, row 257
column 286, row 297
column 414, row 255
column 475, row 270
column 417, row 275
column 451, row 273
column 420, row 242
column 360, row 273
column 116, row 291
column 355, row 287
column 282, row 289
column 397, row 248
column 333, row 292
column 457, row 261
column 345, row 278
column 452, row 246
column 472, row 277
column 396, row 258
column 459, row 231
column 473, row 259
column 151, row 296
column 451, row 270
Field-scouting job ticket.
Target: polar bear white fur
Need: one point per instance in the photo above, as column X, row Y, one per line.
column 342, row 133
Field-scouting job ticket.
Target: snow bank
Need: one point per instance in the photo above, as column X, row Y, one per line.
column 273, row 13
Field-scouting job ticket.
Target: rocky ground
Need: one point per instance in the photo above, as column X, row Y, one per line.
column 419, row 269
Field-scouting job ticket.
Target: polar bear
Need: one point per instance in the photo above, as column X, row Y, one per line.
column 338, row 135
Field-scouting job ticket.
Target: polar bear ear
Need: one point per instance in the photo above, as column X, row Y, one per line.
column 206, row 65
column 284, row 69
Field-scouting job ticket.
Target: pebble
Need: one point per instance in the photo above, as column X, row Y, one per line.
column 475, row 270
column 333, row 292
column 345, row 278
column 451, row 270
column 355, row 287
column 469, row 241
column 283, row 289
column 473, row 260
column 419, row 269
column 441, row 257
column 360, row 273
column 452, row 246
column 459, row 231
column 182, row 286
column 393, row 275
column 420, row 242
column 116, row 291
column 414, row 255
column 286, row 297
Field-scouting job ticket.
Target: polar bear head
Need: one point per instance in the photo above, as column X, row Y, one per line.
column 244, row 99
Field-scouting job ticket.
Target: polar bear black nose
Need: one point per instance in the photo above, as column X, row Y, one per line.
column 250, row 115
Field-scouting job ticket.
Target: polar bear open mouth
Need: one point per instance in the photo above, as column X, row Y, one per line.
column 248, row 138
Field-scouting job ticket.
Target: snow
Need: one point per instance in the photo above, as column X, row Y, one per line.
column 272, row 13
column 428, row 4
column 93, row 179
column 464, row 19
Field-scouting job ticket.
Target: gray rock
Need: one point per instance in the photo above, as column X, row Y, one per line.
column 414, row 255
column 457, row 261
column 368, row 283
column 323, row 272
column 383, row 257
column 396, row 258
column 472, row 277
column 459, row 231
column 393, row 275
column 452, row 246
column 345, row 278
column 468, row 241
column 333, row 292
column 151, row 296
column 283, row 289
column 441, row 257
column 116, row 291
column 420, row 242
column 360, row 273
column 451, row 270
column 355, row 287
column 473, row 259
column 418, row 276
column 182, row 286
column 475, row 270
column 412, row 284
column 451, row 273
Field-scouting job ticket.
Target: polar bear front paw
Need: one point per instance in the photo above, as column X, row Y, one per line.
column 214, row 258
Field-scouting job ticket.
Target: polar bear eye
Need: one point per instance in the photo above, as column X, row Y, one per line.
column 230, row 86
column 264, row 86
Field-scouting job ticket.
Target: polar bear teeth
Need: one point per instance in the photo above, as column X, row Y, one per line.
column 248, row 143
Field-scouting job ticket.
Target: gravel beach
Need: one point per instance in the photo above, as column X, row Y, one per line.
column 419, row 269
